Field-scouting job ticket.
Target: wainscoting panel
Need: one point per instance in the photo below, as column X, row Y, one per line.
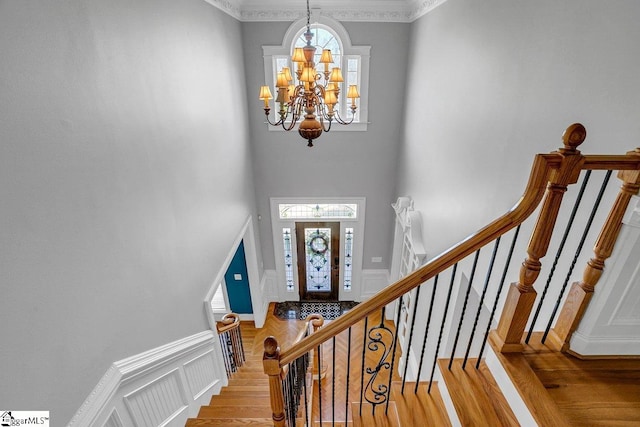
column 373, row 281
column 158, row 402
column 611, row 324
column 200, row 374
column 160, row 387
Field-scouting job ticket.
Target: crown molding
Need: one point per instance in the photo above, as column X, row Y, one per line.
column 292, row 10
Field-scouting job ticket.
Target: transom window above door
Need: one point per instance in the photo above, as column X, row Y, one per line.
column 318, row 210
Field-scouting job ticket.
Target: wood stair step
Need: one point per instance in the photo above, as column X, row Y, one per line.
column 246, row 388
column 229, row 422
column 236, row 382
column 542, row 407
column 475, row 394
column 333, row 424
column 419, row 409
column 378, row 418
column 249, row 375
column 248, row 411
column 239, row 400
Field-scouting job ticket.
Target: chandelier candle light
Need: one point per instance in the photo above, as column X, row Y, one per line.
column 314, row 93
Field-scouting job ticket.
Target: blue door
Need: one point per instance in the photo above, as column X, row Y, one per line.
column 238, row 283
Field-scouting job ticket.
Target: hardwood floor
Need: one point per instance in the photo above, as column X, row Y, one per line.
column 604, row 392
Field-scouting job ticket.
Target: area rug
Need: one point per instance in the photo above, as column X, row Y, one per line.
column 301, row 309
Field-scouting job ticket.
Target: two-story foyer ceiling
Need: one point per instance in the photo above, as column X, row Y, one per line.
column 340, row 10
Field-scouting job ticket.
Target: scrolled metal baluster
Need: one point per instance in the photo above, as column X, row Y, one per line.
column 393, row 355
column 378, row 392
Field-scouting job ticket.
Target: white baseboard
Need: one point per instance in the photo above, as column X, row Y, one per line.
column 608, row 345
column 163, row 386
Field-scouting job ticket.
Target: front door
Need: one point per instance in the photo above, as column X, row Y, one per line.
column 318, row 260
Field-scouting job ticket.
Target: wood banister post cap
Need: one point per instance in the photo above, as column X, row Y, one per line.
column 271, row 349
column 573, row 136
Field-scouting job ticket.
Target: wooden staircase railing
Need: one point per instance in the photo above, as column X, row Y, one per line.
column 550, row 177
column 291, row 383
column 231, row 342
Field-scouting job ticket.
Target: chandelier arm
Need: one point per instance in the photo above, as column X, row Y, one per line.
column 276, row 123
column 340, row 120
column 295, row 115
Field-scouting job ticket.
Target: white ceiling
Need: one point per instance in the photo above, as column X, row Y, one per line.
column 341, row 10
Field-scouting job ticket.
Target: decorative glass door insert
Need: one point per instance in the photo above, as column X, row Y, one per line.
column 318, row 259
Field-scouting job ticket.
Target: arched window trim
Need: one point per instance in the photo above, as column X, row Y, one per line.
column 271, row 53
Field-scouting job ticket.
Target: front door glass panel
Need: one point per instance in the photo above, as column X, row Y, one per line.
column 318, row 259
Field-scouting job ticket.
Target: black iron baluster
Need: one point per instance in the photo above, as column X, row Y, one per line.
column 481, row 302
column 225, row 354
column 495, row 303
column 444, row 319
column 319, row 385
column 587, row 228
column 346, row 399
column 364, row 350
column 408, row 351
column 464, row 307
column 393, row 355
column 567, row 229
column 333, row 383
column 244, row 359
column 304, row 386
column 287, row 396
column 426, row 332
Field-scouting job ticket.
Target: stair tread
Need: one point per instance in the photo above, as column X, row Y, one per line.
column 475, row 394
column 249, row 411
column 230, row 422
column 246, row 388
column 378, row 419
column 219, row 400
column 421, row 408
column 249, row 375
column 235, row 382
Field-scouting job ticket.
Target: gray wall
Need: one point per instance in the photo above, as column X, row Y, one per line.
column 494, row 82
column 125, row 176
column 340, row 163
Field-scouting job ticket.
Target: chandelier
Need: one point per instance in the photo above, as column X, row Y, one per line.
column 314, row 95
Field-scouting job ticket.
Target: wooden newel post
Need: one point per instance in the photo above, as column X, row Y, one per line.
column 271, row 364
column 582, row 291
column 521, row 297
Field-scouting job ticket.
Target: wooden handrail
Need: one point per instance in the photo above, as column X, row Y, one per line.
column 229, row 321
column 277, row 372
column 313, row 322
column 543, row 165
column 543, row 168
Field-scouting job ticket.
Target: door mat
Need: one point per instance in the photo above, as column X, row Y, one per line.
column 301, row 309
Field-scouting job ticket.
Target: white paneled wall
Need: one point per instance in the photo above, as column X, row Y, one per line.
column 161, row 387
column 611, row 324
